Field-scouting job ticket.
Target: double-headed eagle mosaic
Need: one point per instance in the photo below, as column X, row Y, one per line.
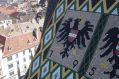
column 70, row 36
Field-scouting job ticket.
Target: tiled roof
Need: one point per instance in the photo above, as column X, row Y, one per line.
column 7, row 9
column 19, row 43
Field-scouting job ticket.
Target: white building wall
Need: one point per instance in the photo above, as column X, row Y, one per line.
column 0, row 53
column 1, row 70
column 4, row 67
column 24, row 60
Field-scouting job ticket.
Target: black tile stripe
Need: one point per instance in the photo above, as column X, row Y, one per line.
column 94, row 2
column 69, row 1
column 81, row 2
column 109, row 3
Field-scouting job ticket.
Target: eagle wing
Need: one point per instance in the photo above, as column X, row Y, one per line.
column 63, row 33
column 111, row 40
column 63, row 37
column 83, row 34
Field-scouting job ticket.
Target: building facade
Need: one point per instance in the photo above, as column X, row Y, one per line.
column 16, row 54
column 18, row 43
column 16, row 65
column 19, row 38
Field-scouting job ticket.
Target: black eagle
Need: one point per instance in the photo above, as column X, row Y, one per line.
column 71, row 36
column 112, row 41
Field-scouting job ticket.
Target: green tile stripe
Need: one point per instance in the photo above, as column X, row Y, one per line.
column 93, row 44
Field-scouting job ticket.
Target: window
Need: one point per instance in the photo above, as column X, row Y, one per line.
column 24, row 60
column 17, row 62
column 16, row 55
column 30, row 51
column 41, row 29
column 30, row 57
column 35, row 49
column 10, row 66
column 24, row 66
column 9, row 48
column 23, row 52
column 11, row 73
column 9, row 58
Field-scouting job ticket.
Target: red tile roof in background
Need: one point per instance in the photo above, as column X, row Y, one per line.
column 19, row 43
column 7, row 10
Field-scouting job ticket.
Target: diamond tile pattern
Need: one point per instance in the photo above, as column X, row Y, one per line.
column 56, row 74
column 48, row 36
column 45, row 69
column 35, row 64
